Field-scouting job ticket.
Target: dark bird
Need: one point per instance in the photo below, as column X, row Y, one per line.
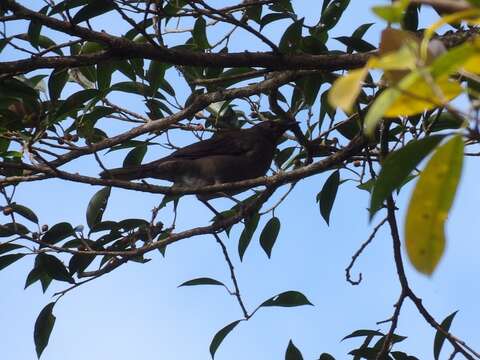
column 228, row 156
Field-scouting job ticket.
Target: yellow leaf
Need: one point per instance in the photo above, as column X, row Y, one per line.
column 404, row 58
column 421, row 96
column 429, row 206
column 470, row 15
column 346, row 89
column 412, row 95
column 473, row 64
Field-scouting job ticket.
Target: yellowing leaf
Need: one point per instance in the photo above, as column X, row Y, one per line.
column 412, row 95
column 421, row 96
column 473, row 64
column 395, row 64
column 429, row 206
column 472, row 15
column 385, row 100
column 404, row 58
column 346, row 89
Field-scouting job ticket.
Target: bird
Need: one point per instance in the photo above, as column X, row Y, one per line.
column 228, row 156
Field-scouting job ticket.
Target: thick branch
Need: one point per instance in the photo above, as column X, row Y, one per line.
column 276, row 180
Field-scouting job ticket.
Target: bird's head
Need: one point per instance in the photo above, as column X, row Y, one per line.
column 274, row 129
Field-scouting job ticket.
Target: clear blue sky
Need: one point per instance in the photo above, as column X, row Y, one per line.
column 137, row 311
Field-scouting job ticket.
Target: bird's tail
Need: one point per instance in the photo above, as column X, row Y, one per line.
column 128, row 173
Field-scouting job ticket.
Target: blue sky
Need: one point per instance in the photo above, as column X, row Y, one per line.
column 138, row 312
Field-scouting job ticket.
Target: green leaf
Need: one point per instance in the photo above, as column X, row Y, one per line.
column 282, row 6
column 130, row 224
column 251, row 224
column 392, row 13
column 446, row 120
column 34, row 29
column 439, row 337
column 201, row 281
column 333, row 13
column 220, row 336
column 93, row 9
column 363, row 333
column 326, row 356
column 269, row 18
column 292, row 352
column 430, row 203
column 54, row 268
column 199, row 34
column 410, row 20
column 254, row 13
column 57, row 233
column 25, row 212
column 291, row 38
column 79, row 262
column 7, row 247
column 67, row 5
column 327, row 195
column 397, row 166
column 156, row 73
column 134, row 87
column 269, row 235
column 33, row 276
column 10, row 229
column 104, row 74
column 135, row 156
column 76, row 101
column 355, row 44
column 400, row 355
column 97, row 206
column 9, row 259
column 287, row 299
column 309, row 86
column 43, row 328
column 56, row 82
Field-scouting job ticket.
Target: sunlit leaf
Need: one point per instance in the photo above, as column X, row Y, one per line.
column 429, row 206
column 412, row 95
column 345, row 90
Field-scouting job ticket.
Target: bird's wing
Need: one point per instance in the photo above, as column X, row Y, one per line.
column 224, row 144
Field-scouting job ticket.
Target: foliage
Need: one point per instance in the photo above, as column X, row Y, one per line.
column 55, row 98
